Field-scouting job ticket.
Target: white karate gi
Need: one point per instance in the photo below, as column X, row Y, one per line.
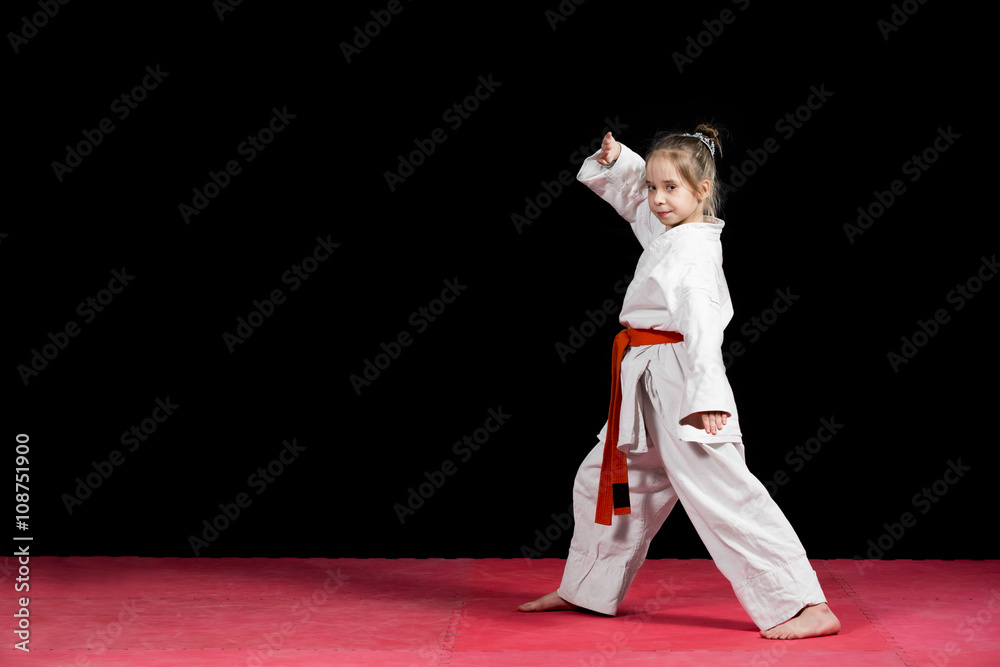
column 679, row 286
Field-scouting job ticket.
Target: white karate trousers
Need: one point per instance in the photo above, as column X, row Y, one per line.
column 747, row 535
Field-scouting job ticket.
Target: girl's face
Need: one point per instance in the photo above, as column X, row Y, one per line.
column 670, row 198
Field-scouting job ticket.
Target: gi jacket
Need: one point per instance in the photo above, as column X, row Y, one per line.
column 678, row 286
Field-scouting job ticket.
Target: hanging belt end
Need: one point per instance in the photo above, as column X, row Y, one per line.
column 619, row 497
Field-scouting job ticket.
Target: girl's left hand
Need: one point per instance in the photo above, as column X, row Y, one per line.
column 712, row 421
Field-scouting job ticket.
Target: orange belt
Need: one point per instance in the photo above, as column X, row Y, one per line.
column 613, row 491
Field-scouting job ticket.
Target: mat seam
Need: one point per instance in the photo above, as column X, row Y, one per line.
column 455, row 617
column 871, row 616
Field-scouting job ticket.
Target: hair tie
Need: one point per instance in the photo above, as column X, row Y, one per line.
column 709, row 143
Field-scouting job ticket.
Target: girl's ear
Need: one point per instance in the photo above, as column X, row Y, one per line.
column 706, row 187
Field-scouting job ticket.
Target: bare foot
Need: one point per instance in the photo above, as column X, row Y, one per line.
column 550, row 602
column 813, row 621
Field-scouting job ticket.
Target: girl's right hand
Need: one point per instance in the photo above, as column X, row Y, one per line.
column 610, row 150
column 712, row 421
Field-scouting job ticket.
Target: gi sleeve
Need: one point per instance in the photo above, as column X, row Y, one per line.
column 706, row 387
column 623, row 185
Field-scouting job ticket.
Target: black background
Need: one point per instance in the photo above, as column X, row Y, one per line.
column 324, row 176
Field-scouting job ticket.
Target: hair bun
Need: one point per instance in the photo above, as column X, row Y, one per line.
column 712, row 134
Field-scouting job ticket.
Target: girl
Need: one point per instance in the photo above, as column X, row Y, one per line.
column 673, row 430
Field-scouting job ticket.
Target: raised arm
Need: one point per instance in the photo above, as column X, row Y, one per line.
column 618, row 176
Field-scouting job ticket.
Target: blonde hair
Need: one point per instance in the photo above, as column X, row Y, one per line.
column 694, row 161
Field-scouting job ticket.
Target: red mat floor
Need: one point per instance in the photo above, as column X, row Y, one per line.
column 406, row 612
